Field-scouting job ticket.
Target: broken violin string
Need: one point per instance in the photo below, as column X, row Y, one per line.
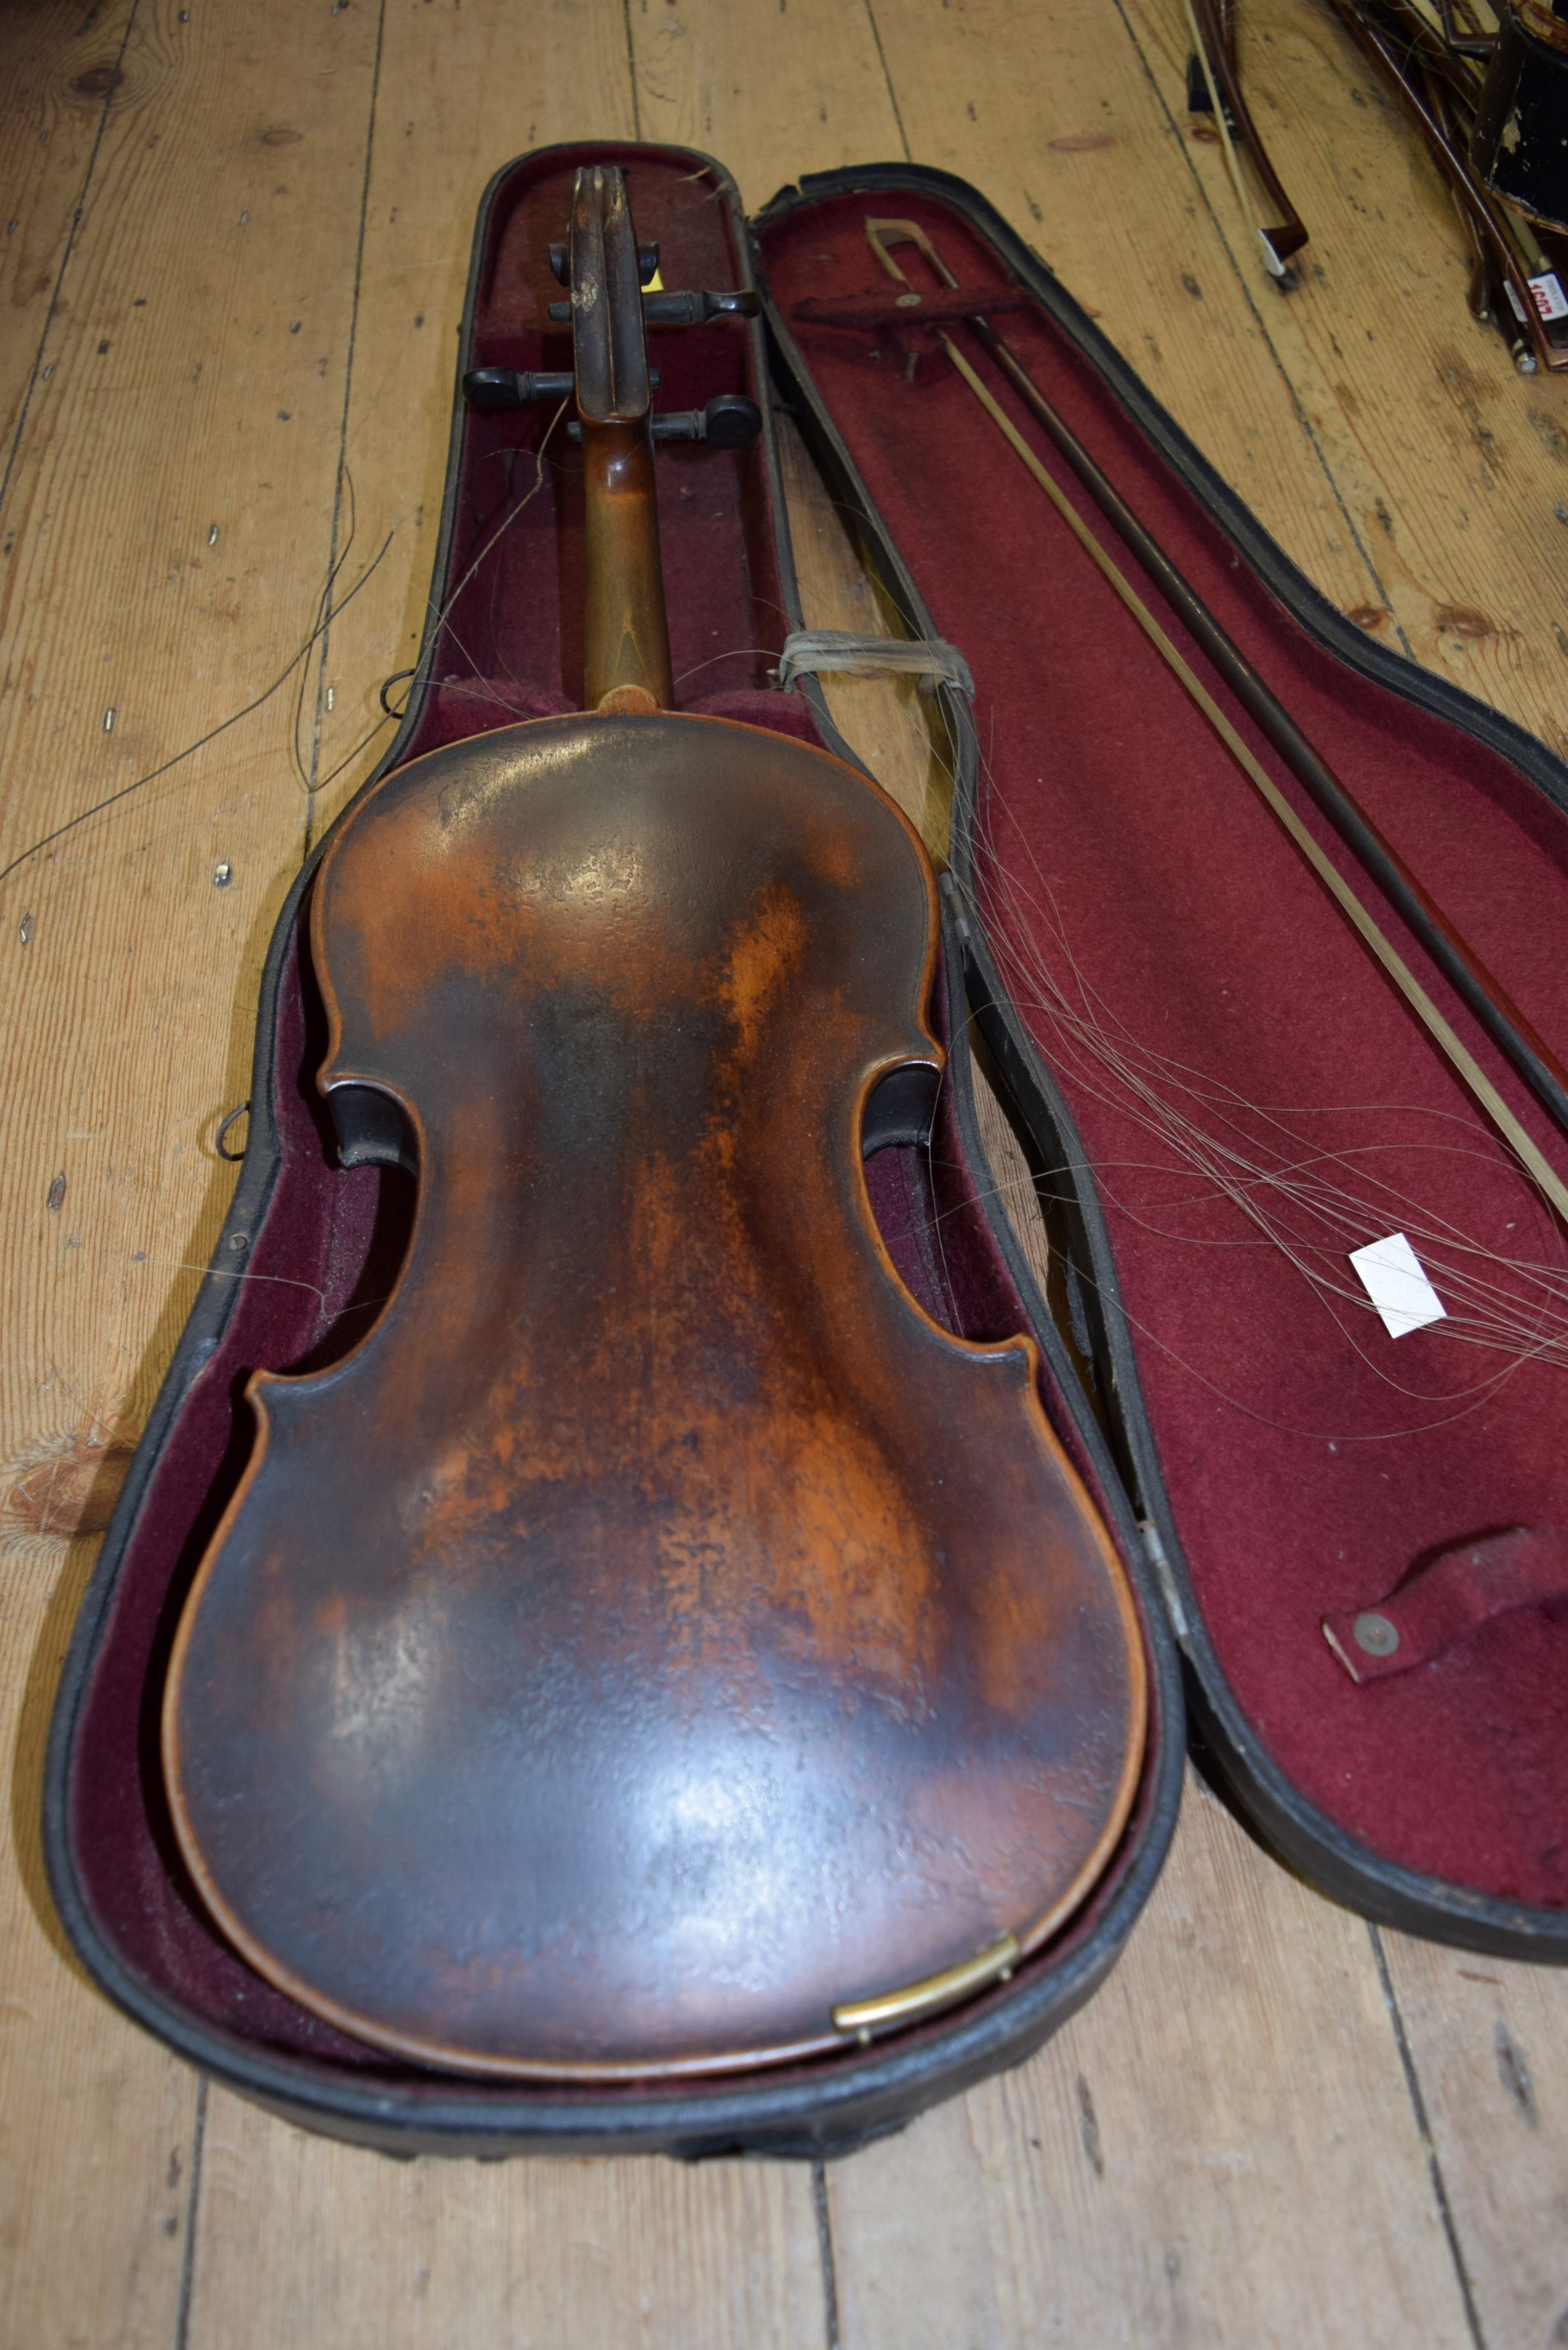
column 1480, row 991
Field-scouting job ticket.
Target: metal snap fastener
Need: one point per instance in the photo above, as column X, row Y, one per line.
column 1375, row 1635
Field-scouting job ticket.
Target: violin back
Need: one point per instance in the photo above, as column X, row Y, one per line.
column 657, row 1632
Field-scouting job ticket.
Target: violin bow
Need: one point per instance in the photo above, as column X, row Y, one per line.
column 1431, row 78
column 1212, row 30
column 1483, row 993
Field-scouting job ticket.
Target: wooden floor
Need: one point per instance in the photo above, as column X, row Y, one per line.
column 232, row 268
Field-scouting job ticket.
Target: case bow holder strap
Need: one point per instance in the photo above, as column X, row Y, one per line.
column 811, row 650
column 866, row 312
column 1457, row 1592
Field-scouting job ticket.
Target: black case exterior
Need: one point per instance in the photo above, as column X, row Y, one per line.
column 812, row 2111
column 831, row 2107
column 1266, row 1800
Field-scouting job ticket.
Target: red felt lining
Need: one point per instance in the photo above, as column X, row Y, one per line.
column 1114, row 834
column 325, row 1249
column 324, row 1255
column 516, row 621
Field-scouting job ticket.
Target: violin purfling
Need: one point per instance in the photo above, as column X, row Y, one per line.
column 659, row 1646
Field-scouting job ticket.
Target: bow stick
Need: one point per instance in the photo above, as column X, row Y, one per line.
column 1483, row 993
column 1213, row 48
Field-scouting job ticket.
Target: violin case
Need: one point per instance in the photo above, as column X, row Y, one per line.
column 1264, row 1455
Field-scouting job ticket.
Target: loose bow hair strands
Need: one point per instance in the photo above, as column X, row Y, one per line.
column 1308, row 1201
column 1300, row 1198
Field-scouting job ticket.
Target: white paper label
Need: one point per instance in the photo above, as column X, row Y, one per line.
column 1545, row 292
column 1391, row 1272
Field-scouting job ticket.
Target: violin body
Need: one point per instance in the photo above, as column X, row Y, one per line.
column 657, row 1632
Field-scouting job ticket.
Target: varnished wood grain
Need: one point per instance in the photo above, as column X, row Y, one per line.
column 650, row 1457
column 626, row 630
column 1257, row 2150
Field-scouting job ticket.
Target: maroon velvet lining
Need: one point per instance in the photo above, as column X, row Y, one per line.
column 514, row 637
column 326, row 1253
column 303, row 1294
column 1301, row 1482
column 328, row 1245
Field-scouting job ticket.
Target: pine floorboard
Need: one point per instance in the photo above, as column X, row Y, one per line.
column 233, row 283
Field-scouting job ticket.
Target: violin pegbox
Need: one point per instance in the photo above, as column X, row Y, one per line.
column 728, row 421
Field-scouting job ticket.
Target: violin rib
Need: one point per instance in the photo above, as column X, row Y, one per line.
column 657, row 1632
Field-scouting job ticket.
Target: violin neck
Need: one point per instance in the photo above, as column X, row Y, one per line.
column 627, row 634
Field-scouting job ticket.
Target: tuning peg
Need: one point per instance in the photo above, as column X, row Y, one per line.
column 561, row 264
column 729, row 421
column 681, row 309
column 696, row 309
column 511, row 386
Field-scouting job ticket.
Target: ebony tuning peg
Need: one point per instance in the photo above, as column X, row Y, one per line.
column 696, row 309
column 511, row 386
column 681, row 309
column 729, row 421
column 561, row 264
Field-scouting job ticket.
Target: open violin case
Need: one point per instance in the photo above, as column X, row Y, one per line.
column 1217, row 1089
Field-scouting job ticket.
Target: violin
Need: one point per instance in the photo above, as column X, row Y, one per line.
column 658, row 1646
